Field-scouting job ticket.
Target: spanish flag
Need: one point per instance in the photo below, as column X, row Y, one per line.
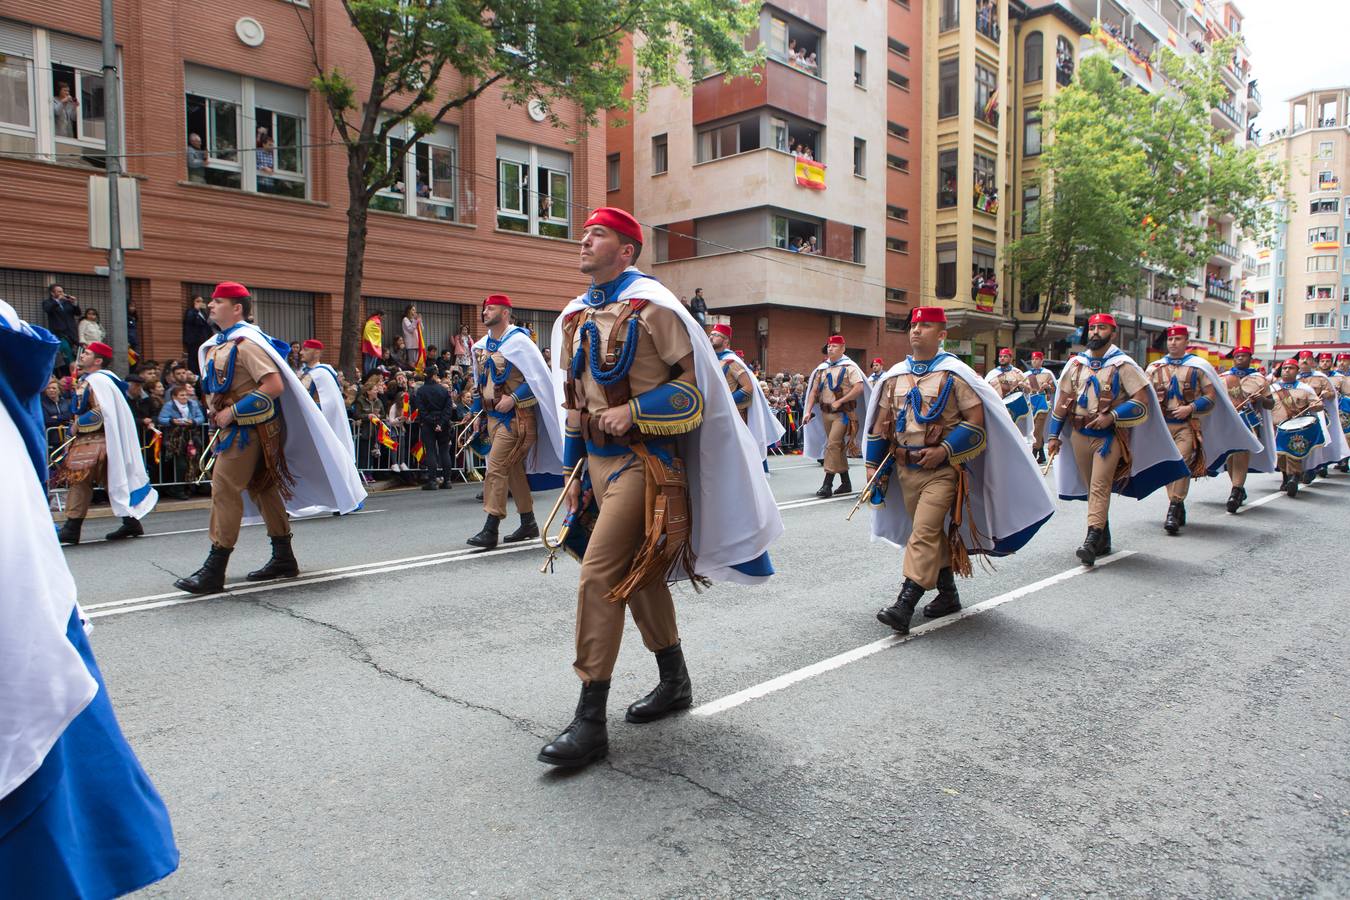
column 810, row 173
column 156, row 443
column 132, row 358
column 372, row 338
column 421, row 365
column 382, row 434
column 418, row 451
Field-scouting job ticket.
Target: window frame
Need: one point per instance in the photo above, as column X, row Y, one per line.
column 1039, row 57
column 613, row 174
column 1031, row 115
column 949, row 92
column 860, row 157
column 662, row 142
column 986, row 89
column 77, row 90
column 29, row 77
column 859, row 67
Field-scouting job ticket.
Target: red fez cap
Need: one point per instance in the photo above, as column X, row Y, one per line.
column 1178, row 330
column 1305, row 354
column 1102, row 319
column 1291, row 361
column 1246, row 350
column 616, row 219
column 497, row 300
column 312, row 344
column 930, row 314
column 1036, row 354
column 98, row 348
column 1322, row 356
column 836, row 339
column 741, row 354
column 723, row 329
column 1340, row 356
column 877, row 361
column 1003, row 350
column 229, row 290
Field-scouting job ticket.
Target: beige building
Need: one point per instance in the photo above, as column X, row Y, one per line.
column 1300, row 283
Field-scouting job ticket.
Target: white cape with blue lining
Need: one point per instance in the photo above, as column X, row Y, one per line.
column 326, row 480
column 1154, row 458
column 1222, row 430
column 1261, row 461
column 543, row 465
column 129, row 492
column 735, row 518
column 1008, row 498
column 764, row 425
column 332, row 404
column 814, row 437
column 1335, row 449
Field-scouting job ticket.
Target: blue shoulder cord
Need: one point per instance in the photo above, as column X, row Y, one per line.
column 1115, row 390
column 604, row 377
column 914, row 401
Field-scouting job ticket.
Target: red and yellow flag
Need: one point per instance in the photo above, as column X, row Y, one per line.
column 810, row 173
column 372, row 338
column 156, row 443
column 383, row 435
column 418, row 451
column 421, row 365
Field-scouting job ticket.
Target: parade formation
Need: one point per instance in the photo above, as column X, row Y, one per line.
column 662, row 434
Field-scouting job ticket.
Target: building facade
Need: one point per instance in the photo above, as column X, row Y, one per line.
column 1299, row 287
column 493, row 201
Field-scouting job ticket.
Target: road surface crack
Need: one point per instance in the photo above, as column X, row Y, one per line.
column 362, row 654
column 672, row 773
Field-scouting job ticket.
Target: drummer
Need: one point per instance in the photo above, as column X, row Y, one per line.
column 1010, row 383
column 1340, row 377
column 1041, row 392
column 1299, row 431
column 1250, row 393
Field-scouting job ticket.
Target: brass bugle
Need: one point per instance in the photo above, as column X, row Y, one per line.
column 556, row 544
column 866, row 493
column 461, row 442
column 53, row 457
column 208, row 456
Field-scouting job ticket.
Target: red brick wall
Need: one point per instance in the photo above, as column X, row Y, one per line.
column 796, row 336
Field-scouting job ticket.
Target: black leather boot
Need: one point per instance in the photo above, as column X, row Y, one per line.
column 1309, row 475
column 586, row 740
column 1291, row 485
column 129, row 528
column 845, row 485
column 898, row 615
column 827, row 487
column 1236, row 498
column 281, row 565
column 673, row 692
column 210, row 578
column 1087, row 554
column 487, row 538
column 1181, row 512
column 1104, row 541
column 70, row 531
column 430, row 485
column 1039, row 453
column 948, row 600
column 528, row 529
column 1343, row 466
column 1172, row 523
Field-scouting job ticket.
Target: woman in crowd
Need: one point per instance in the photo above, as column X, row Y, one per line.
column 412, row 322
column 91, row 331
column 462, row 345
column 180, row 421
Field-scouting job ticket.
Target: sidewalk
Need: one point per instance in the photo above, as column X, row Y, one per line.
column 103, row 511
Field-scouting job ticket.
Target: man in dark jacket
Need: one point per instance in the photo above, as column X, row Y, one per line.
column 63, row 316
column 436, row 416
column 196, row 331
column 698, row 306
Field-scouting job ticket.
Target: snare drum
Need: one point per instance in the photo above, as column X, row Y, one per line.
column 1344, row 403
column 1299, row 436
column 1017, row 406
column 1039, row 403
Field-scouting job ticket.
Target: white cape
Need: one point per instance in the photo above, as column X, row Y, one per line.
column 44, row 684
column 1155, row 460
column 545, row 457
column 764, row 425
column 735, row 518
column 1335, row 449
column 129, row 490
column 1261, row 461
column 1222, row 430
column 1008, row 498
column 814, row 437
column 325, row 473
column 333, row 405
column 1026, row 424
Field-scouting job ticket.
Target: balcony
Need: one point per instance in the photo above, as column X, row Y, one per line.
column 1253, row 99
column 986, row 21
column 780, row 277
column 1225, row 253
column 1218, row 292
column 756, row 178
column 782, row 86
column 1230, row 112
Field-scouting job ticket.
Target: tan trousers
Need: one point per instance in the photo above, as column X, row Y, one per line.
column 1288, row 465
column 1098, row 471
column 230, row 476
column 82, row 491
column 509, row 443
column 928, row 500
column 619, row 531
column 1038, row 431
column 1237, row 468
column 1184, row 438
column 836, row 460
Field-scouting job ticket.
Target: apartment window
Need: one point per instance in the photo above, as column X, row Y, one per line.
column 898, row 163
column 778, row 134
column 950, row 15
column 949, row 90
column 1317, row 320
column 898, row 213
column 859, row 244
column 78, row 107
column 1328, row 181
column 895, row 78
column 797, row 235
column 860, row 157
column 1279, row 269
column 1028, row 301
column 1211, row 329
column 534, row 190
column 860, row 67
column 1063, row 61
column 897, row 295
column 899, row 48
column 244, row 133
column 1031, row 208
column 1318, row 292
column 728, row 139
column 787, row 136
column 896, row 130
column 1324, row 206
column 1324, row 150
column 16, row 84
column 213, row 141
column 946, row 179
column 894, row 323
column 986, row 191
column 434, row 171
column 986, row 95
column 1324, row 234
column 946, row 271
column 794, row 44
column 66, row 92
column 660, row 155
column 1279, row 295
column 1033, row 67
column 612, row 172
column 1223, row 332
column 896, row 245
column 1031, row 127
column 1321, row 264
column 1263, row 270
column 279, row 145
column 1262, row 323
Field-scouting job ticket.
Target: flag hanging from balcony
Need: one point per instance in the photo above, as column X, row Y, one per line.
column 1171, row 36
column 810, row 173
column 1327, row 245
column 1112, row 42
column 1246, row 332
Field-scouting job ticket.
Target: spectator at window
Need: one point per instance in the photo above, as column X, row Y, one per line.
column 196, row 159
column 698, row 307
column 811, row 245
column 462, row 344
column 412, row 321
column 90, row 330
column 811, row 64
column 266, row 160
column 197, row 330
column 57, row 409
column 63, row 312
column 65, row 111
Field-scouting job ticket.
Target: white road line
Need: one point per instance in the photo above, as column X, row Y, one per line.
column 150, row 534
column 834, row 662
column 806, row 465
column 1262, row 502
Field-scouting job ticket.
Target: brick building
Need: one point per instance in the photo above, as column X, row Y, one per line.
column 494, row 198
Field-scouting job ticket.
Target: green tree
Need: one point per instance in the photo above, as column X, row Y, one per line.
column 552, row 51
column 1127, row 179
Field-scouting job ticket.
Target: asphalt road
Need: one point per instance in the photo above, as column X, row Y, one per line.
column 1174, row 722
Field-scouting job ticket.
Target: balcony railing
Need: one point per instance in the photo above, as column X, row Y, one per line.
column 1227, row 250
column 1219, row 293
column 1254, row 92
column 1229, row 110
column 986, row 22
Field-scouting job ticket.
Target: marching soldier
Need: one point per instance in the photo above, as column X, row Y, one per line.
column 1040, row 391
column 268, row 427
column 323, row 384
column 1104, row 401
column 746, row 393
column 1314, row 375
column 832, row 415
column 512, row 382
column 1185, row 396
column 1007, row 380
column 877, row 370
column 1249, row 392
column 646, row 411
column 940, row 438
column 1342, row 382
column 106, row 449
column 1294, row 399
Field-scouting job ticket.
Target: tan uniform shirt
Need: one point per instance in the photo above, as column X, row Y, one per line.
column 251, row 366
column 662, row 342
column 1320, row 383
column 1075, row 377
column 738, row 379
column 894, row 397
column 1190, row 380
column 1006, row 382
column 489, row 390
column 852, row 375
column 1041, row 382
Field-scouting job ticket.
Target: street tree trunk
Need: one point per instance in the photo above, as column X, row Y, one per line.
column 358, row 213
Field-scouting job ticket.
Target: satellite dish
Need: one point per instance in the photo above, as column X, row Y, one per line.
column 537, row 110
column 250, row 31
